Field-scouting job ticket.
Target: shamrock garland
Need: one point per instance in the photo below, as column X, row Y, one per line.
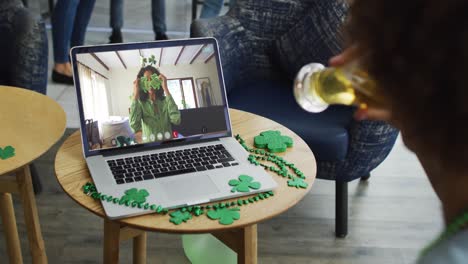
column 279, row 161
column 216, row 211
column 273, row 141
column 225, row 215
column 7, row 152
column 244, row 184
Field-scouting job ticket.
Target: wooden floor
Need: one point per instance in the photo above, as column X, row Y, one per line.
column 391, row 217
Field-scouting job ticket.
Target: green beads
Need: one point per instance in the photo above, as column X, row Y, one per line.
column 159, row 209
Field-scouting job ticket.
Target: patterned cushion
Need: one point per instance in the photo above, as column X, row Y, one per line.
column 314, row 38
column 25, row 53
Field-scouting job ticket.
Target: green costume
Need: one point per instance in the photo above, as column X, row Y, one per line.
column 153, row 118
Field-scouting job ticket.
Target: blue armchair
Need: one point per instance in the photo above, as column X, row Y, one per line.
column 24, row 53
column 263, row 44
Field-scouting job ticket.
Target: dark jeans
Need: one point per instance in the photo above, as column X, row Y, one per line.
column 158, row 14
column 69, row 22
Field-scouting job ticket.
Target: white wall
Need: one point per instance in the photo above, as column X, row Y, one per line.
column 121, row 83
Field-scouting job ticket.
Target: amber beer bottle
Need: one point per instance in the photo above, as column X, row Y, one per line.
column 317, row 87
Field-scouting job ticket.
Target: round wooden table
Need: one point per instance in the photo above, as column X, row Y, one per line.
column 31, row 123
column 241, row 236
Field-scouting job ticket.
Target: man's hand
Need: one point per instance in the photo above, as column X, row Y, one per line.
column 364, row 111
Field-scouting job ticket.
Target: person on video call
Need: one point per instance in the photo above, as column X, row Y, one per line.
column 153, row 110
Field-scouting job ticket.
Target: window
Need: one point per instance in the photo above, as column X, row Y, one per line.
column 94, row 94
column 183, row 92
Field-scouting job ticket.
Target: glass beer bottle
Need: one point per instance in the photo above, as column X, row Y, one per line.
column 317, row 87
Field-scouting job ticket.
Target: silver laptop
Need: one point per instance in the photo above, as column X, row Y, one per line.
column 154, row 116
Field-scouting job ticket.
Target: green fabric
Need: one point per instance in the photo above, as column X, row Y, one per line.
column 154, row 117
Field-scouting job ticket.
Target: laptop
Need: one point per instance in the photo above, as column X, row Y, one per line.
column 154, row 116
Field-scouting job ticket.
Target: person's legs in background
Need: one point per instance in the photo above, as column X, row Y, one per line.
column 116, row 21
column 69, row 22
column 158, row 14
column 82, row 17
column 62, row 26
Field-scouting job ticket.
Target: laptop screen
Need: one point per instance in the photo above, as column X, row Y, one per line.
column 149, row 93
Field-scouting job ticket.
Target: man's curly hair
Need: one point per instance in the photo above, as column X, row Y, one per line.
column 417, row 51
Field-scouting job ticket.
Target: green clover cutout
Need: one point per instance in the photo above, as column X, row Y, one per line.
column 7, row 152
column 138, row 196
column 225, row 215
column 244, row 184
column 178, row 217
column 155, row 82
column 152, row 60
column 273, row 141
column 298, row 183
column 144, row 84
column 143, row 61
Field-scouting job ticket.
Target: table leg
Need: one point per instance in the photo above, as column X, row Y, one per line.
column 247, row 253
column 36, row 243
column 243, row 241
column 111, row 241
column 139, row 249
column 9, row 226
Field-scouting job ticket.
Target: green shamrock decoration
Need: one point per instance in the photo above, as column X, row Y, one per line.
column 143, row 61
column 225, row 215
column 152, row 60
column 124, row 141
column 273, row 141
column 244, row 184
column 7, row 152
column 298, row 183
column 135, row 195
column 154, row 83
column 178, row 217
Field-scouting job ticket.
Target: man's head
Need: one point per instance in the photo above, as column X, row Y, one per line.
column 417, row 51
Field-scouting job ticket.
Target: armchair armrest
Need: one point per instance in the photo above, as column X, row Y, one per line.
column 30, row 53
column 370, row 143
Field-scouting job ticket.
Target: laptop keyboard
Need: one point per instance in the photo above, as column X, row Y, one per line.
column 153, row 166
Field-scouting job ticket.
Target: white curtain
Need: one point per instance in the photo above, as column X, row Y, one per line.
column 94, row 95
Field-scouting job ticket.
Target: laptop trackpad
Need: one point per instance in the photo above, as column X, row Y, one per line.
column 187, row 188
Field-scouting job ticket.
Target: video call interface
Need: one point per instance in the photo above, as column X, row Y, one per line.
column 142, row 96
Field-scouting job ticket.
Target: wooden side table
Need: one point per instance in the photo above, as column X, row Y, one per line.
column 31, row 123
column 241, row 236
